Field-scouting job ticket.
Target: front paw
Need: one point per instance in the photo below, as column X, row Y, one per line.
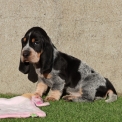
column 37, row 95
column 48, row 98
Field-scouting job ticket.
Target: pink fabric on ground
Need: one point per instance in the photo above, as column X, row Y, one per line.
column 21, row 107
column 39, row 101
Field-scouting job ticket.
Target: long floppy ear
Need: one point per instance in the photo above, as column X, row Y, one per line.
column 46, row 59
column 27, row 68
column 24, row 67
column 32, row 75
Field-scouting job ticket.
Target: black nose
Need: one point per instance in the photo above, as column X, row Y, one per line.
column 26, row 53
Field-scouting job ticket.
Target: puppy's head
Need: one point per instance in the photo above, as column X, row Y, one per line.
column 33, row 44
column 36, row 49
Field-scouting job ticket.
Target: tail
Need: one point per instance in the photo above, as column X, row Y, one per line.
column 111, row 93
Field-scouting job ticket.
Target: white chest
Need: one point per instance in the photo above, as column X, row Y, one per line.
column 38, row 72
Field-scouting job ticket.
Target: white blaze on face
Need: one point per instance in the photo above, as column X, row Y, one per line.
column 27, row 47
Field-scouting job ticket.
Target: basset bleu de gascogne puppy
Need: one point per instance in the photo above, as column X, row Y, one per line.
column 60, row 72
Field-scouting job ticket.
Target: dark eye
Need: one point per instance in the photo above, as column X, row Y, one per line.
column 36, row 42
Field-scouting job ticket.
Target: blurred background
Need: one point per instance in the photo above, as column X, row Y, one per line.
column 90, row 30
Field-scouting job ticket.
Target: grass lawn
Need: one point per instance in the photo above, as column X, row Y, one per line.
column 62, row 111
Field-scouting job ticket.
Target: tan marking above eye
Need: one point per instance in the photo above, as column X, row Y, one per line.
column 24, row 39
column 33, row 40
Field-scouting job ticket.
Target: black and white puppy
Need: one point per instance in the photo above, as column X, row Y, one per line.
column 60, row 72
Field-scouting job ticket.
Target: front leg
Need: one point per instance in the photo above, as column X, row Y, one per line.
column 56, row 89
column 41, row 88
column 53, row 95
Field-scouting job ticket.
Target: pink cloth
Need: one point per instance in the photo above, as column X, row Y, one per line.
column 21, row 107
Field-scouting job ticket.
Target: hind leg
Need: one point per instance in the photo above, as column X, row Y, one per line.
column 86, row 96
column 89, row 86
column 73, row 94
column 83, row 98
column 69, row 97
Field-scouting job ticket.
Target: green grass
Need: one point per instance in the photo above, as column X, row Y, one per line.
column 62, row 111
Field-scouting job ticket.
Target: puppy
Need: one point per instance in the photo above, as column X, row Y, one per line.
column 60, row 72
